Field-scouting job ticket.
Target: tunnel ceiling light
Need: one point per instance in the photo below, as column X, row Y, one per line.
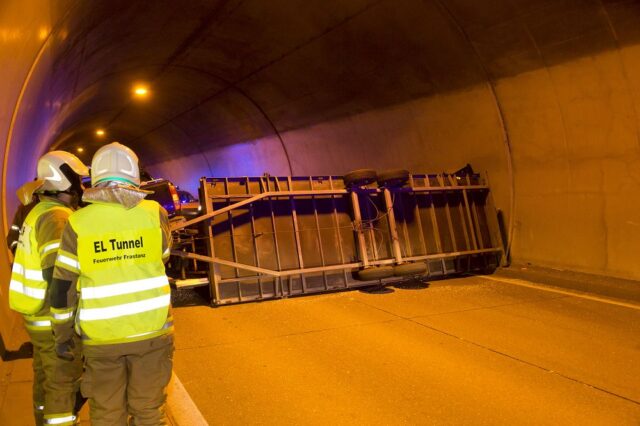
column 100, row 132
column 140, row 91
column 80, row 149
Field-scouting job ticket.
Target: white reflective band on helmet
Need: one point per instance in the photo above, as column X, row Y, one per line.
column 43, row 323
column 15, row 227
column 50, row 247
column 125, row 309
column 60, row 420
column 64, row 316
column 36, row 293
column 127, row 287
column 68, row 261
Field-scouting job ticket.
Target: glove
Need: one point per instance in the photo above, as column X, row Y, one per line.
column 64, row 350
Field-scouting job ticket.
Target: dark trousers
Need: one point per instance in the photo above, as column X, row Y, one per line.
column 128, row 380
column 55, row 381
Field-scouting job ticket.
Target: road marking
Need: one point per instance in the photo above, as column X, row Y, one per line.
column 181, row 408
column 529, row 284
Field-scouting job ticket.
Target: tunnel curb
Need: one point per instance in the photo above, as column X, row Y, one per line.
column 181, row 410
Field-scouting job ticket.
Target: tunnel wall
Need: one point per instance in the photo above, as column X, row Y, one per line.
column 24, row 27
column 416, row 135
column 576, row 148
column 573, row 138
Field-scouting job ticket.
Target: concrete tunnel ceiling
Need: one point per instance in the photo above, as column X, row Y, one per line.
column 542, row 94
column 227, row 72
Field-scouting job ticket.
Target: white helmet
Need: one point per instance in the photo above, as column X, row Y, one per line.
column 116, row 163
column 54, row 171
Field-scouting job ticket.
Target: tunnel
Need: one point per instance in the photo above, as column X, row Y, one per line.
column 541, row 96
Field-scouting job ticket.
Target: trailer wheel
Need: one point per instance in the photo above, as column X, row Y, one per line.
column 488, row 269
column 393, row 178
column 410, row 269
column 360, row 177
column 374, row 273
column 491, row 263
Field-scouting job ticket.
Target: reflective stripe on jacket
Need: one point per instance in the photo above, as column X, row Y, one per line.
column 60, row 419
column 28, row 288
column 124, row 291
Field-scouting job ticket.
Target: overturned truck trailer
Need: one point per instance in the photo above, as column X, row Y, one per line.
column 272, row 237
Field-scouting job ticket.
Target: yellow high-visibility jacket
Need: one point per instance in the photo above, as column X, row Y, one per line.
column 124, row 293
column 28, row 288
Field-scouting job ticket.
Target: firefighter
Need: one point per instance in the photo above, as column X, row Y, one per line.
column 110, row 283
column 57, row 189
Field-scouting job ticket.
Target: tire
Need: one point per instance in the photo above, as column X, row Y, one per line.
column 490, row 265
column 393, row 178
column 374, row 273
column 360, row 177
column 410, row 269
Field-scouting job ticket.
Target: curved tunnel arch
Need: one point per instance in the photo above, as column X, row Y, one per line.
column 227, row 85
column 503, row 125
column 12, row 123
column 623, row 66
column 232, row 86
column 71, row 126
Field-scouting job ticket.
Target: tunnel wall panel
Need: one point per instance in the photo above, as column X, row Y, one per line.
column 436, row 134
column 574, row 139
column 574, row 132
column 253, row 158
column 23, row 27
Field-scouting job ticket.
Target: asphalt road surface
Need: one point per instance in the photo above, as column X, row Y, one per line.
column 468, row 351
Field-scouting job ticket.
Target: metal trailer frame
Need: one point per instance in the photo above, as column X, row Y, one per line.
column 448, row 222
